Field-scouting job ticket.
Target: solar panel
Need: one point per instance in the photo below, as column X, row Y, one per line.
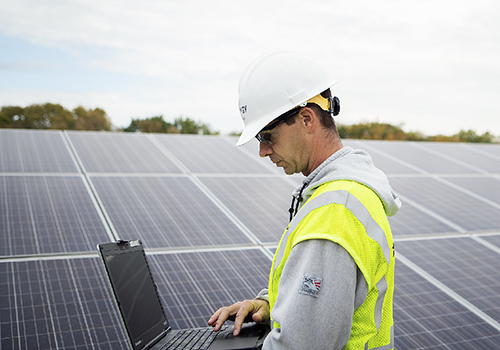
column 468, row 154
column 410, row 220
column 455, row 206
column 426, row 318
column 250, row 200
column 495, row 240
column 381, row 159
column 120, row 153
column 30, row 151
column 490, row 150
column 416, row 155
column 210, row 215
column 57, row 304
column 487, row 187
column 462, row 264
column 196, row 284
column 47, row 214
column 67, row 304
column 165, row 212
column 210, row 155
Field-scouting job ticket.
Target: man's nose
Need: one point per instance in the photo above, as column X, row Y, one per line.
column 265, row 149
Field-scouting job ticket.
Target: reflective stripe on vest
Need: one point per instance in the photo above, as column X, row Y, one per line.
column 373, row 230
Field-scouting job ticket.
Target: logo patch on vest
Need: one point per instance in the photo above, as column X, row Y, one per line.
column 310, row 285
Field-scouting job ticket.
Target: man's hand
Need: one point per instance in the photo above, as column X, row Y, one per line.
column 255, row 310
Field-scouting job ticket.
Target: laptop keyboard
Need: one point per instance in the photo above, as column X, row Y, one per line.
column 195, row 339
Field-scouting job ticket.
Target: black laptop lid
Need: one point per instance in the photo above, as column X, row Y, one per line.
column 135, row 291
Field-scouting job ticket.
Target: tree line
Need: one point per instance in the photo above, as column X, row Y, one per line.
column 384, row 131
column 180, row 125
column 55, row 116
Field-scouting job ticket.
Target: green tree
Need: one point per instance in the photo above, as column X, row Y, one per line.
column 180, row 125
column 54, row 116
column 48, row 116
column 471, row 136
column 90, row 119
column 189, row 126
column 373, row 131
column 12, row 117
column 153, row 124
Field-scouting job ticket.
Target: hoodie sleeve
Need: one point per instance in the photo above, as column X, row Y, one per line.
column 321, row 321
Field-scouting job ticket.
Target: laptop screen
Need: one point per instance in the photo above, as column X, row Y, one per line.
column 135, row 292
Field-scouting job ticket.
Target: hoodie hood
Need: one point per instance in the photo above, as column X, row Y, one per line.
column 350, row 164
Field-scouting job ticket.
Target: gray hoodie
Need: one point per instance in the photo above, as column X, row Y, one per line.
column 356, row 165
column 324, row 321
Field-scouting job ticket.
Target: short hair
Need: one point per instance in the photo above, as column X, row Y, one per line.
column 326, row 117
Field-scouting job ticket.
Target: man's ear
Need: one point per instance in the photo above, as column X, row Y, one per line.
column 308, row 118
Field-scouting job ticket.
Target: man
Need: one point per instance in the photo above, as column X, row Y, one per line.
column 332, row 279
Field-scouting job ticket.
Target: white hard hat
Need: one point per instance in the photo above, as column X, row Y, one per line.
column 274, row 84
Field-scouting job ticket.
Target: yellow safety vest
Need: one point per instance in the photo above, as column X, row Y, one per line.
column 352, row 215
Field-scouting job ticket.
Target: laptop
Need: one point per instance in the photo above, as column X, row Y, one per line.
column 142, row 313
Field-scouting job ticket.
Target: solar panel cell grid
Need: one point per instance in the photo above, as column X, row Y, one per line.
column 460, row 208
column 215, row 155
column 487, row 187
column 261, row 203
column 25, row 151
column 120, row 153
column 165, row 212
column 466, row 153
column 495, row 240
column 412, row 221
column 381, row 159
column 427, row 318
column 463, row 265
column 47, row 214
column 181, row 279
column 57, row 304
column 414, row 154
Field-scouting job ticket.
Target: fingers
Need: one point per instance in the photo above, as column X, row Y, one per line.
column 246, row 307
column 222, row 315
column 257, row 309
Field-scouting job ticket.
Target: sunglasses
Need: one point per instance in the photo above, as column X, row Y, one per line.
column 264, row 135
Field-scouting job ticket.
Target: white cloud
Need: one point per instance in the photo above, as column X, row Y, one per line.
column 430, row 65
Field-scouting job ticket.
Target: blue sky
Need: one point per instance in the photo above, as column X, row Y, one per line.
column 430, row 66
